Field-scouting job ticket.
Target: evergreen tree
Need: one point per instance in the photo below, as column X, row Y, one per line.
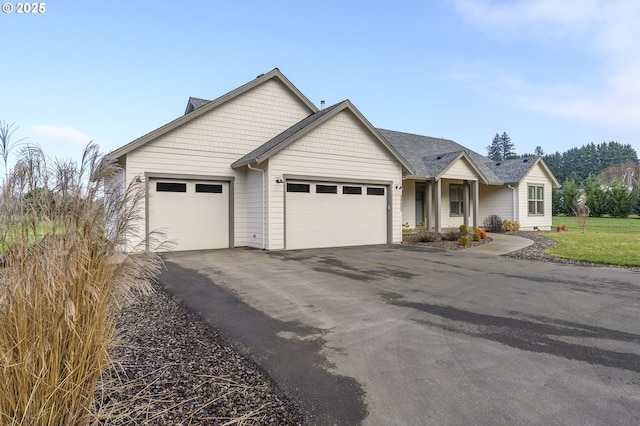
column 507, row 147
column 538, row 151
column 620, row 199
column 590, row 158
column 568, row 196
column 596, row 195
column 494, row 151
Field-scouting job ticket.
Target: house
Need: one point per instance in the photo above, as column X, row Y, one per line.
column 453, row 185
column 263, row 167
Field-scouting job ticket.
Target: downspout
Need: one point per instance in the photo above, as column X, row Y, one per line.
column 262, row 198
column 513, row 202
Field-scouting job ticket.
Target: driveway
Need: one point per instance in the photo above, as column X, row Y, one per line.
column 398, row 335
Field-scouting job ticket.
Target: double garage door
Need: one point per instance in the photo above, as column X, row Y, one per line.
column 193, row 215
column 335, row 214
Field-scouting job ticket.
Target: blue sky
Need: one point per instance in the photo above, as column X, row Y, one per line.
column 558, row 74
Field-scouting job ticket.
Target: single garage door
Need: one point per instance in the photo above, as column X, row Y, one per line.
column 194, row 215
column 334, row 214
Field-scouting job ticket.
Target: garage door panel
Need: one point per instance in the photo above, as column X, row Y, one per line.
column 191, row 220
column 335, row 219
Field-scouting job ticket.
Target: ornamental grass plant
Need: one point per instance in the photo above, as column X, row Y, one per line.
column 63, row 279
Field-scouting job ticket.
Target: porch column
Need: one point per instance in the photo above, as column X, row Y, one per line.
column 438, row 199
column 427, row 201
column 465, row 203
column 476, row 203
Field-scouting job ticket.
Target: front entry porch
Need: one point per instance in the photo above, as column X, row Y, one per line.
column 441, row 203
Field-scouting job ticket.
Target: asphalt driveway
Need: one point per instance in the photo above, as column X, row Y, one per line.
column 395, row 335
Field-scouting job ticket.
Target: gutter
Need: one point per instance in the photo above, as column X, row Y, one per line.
column 262, row 202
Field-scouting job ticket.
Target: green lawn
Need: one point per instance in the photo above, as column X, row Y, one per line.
column 607, row 241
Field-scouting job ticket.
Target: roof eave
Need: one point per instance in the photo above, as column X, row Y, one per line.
column 483, row 178
column 547, row 170
column 275, row 73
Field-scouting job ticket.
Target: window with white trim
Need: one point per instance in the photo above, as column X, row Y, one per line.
column 536, row 200
column 456, row 199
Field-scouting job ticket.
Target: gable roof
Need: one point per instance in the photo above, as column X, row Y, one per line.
column 304, row 126
column 513, row 171
column 208, row 106
column 422, row 153
column 436, row 165
column 430, row 157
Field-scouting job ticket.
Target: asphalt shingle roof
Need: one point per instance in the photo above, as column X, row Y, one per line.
column 430, row 156
column 512, row 171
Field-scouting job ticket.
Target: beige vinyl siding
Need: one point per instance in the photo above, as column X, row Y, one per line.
column 254, row 218
column 409, row 203
column 496, row 199
column 209, row 144
column 158, row 160
column 241, row 124
column 341, row 148
column 461, row 169
column 537, row 177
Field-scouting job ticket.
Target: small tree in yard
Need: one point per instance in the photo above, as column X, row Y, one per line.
column 63, row 281
column 581, row 214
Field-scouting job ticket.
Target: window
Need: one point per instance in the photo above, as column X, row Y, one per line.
column 536, row 200
column 208, row 188
column 326, row 189
column 356, row 190
column 456, row 200
column 375, row 191
column 171, row 187
column 297, row 187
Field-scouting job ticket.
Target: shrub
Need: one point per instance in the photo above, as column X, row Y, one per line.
column 62, row 285
column 463, row 240
column 450, row 235
column 427, row 237
column 483, row 234
column 493, row 223
column 476, row 236
column 510, row 225
column 463, row 229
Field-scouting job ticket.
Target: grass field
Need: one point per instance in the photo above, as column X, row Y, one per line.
column 608, row 241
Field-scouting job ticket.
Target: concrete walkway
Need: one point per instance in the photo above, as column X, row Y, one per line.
column 501, row 244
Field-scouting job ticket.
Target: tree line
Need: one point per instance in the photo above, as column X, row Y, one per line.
column 603, row 177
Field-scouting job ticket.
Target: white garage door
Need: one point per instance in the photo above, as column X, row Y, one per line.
column 334, row 214
column 194, row 215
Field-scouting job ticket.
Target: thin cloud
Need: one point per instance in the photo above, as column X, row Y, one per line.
column 61, row 135
column 606, row 96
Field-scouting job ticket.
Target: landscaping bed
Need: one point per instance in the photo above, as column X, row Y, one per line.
column 448, row 240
